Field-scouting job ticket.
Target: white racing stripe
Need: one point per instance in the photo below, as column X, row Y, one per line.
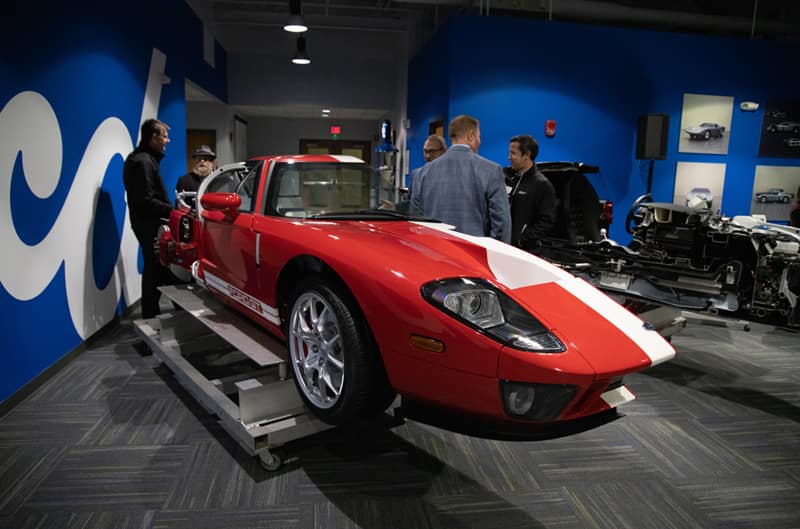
column 648, row 340
column 244, row 299
column 516, row 268
column 511, row 266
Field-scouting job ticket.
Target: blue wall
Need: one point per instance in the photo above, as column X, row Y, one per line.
column 513, row 74
column 90, row 73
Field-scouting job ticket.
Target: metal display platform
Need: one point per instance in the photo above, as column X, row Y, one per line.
column 233, row 368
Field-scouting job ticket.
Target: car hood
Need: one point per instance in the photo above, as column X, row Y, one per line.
column 569, row 306
column 697, row 129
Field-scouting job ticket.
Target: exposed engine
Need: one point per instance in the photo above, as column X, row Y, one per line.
column 695, row 259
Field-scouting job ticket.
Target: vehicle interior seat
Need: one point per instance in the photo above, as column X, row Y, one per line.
column 578, row 207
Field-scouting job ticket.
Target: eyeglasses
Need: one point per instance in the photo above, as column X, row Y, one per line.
column 432, row 151
column 204, row 158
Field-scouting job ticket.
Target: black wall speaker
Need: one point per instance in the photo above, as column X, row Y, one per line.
column 651, row 137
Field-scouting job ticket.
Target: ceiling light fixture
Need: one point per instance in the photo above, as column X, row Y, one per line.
column 295, row 24
column 300, row 56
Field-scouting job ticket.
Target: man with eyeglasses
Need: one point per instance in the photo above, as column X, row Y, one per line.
column 433, row 147
column 204, row 163
column 148, row 204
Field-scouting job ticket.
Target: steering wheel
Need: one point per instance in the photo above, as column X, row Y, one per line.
column 634, row 214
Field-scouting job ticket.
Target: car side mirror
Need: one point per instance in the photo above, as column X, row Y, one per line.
column 225, row 203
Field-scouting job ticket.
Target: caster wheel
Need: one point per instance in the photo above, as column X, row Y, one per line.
column 271, row 461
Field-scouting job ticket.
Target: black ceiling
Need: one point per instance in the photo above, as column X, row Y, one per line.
column 759, row 19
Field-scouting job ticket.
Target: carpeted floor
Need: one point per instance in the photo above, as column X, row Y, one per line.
column 712, row 441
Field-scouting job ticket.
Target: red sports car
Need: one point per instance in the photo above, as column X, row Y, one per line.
column 371, row 302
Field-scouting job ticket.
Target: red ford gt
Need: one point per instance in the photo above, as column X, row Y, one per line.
column 371, row 303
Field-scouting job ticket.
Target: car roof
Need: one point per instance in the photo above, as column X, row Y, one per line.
column 309, row 158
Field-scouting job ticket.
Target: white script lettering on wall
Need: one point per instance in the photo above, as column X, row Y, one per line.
column 29, row 129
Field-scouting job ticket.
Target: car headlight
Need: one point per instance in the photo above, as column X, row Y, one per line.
column 487, row 309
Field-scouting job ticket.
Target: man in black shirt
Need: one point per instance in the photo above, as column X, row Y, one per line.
column 532, row 196
column 148, row 204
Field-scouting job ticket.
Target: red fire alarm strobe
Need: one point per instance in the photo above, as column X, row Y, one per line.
column 336, row 129
column 550, row 128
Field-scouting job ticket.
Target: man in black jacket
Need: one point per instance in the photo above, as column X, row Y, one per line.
column 148, row 203
column 532, row 196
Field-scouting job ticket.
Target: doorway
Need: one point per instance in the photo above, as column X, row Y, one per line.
column 359, row 149
column 436, row 127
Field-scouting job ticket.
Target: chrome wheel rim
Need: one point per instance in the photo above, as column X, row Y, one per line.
column 317, row 354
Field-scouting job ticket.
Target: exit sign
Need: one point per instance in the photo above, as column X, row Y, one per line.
column 336, row 129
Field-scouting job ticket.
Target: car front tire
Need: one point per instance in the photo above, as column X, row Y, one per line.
column 336, row 364
column 763, row 200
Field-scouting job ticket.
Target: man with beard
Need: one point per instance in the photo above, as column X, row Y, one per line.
column 204, row 163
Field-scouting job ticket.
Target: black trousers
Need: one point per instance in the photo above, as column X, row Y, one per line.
column 154, row 275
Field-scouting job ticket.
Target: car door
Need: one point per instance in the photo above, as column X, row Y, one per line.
column 229, row 244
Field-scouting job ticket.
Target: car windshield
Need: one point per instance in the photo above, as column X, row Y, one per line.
column 308, row 189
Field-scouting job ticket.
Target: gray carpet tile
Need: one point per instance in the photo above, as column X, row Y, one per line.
column 747, row 503
column 646, row 504
column 79, row 520
column 267, row 517
column 597, row 455
column 147, row 421
column 712, row 441
column 488, row 464
column 685, row 448
column 369, row 512
column 650, row 399
column 771, row 442
column 22, row 469
column 53, row 423
column 86, row 378
column 115, row 478
column 544, row 508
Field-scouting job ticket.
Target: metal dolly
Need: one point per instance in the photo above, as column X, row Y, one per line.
column 234, row 369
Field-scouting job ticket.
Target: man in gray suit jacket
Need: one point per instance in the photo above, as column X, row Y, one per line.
column 462, row 188
column 433, row 147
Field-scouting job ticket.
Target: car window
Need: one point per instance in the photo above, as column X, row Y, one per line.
column 305, row 189
column 247, row 188
column 226, row 182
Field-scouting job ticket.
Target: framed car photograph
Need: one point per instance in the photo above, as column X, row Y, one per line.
column 705, row 124
column 774, row 189
column 780, row 130
column 699, row 185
